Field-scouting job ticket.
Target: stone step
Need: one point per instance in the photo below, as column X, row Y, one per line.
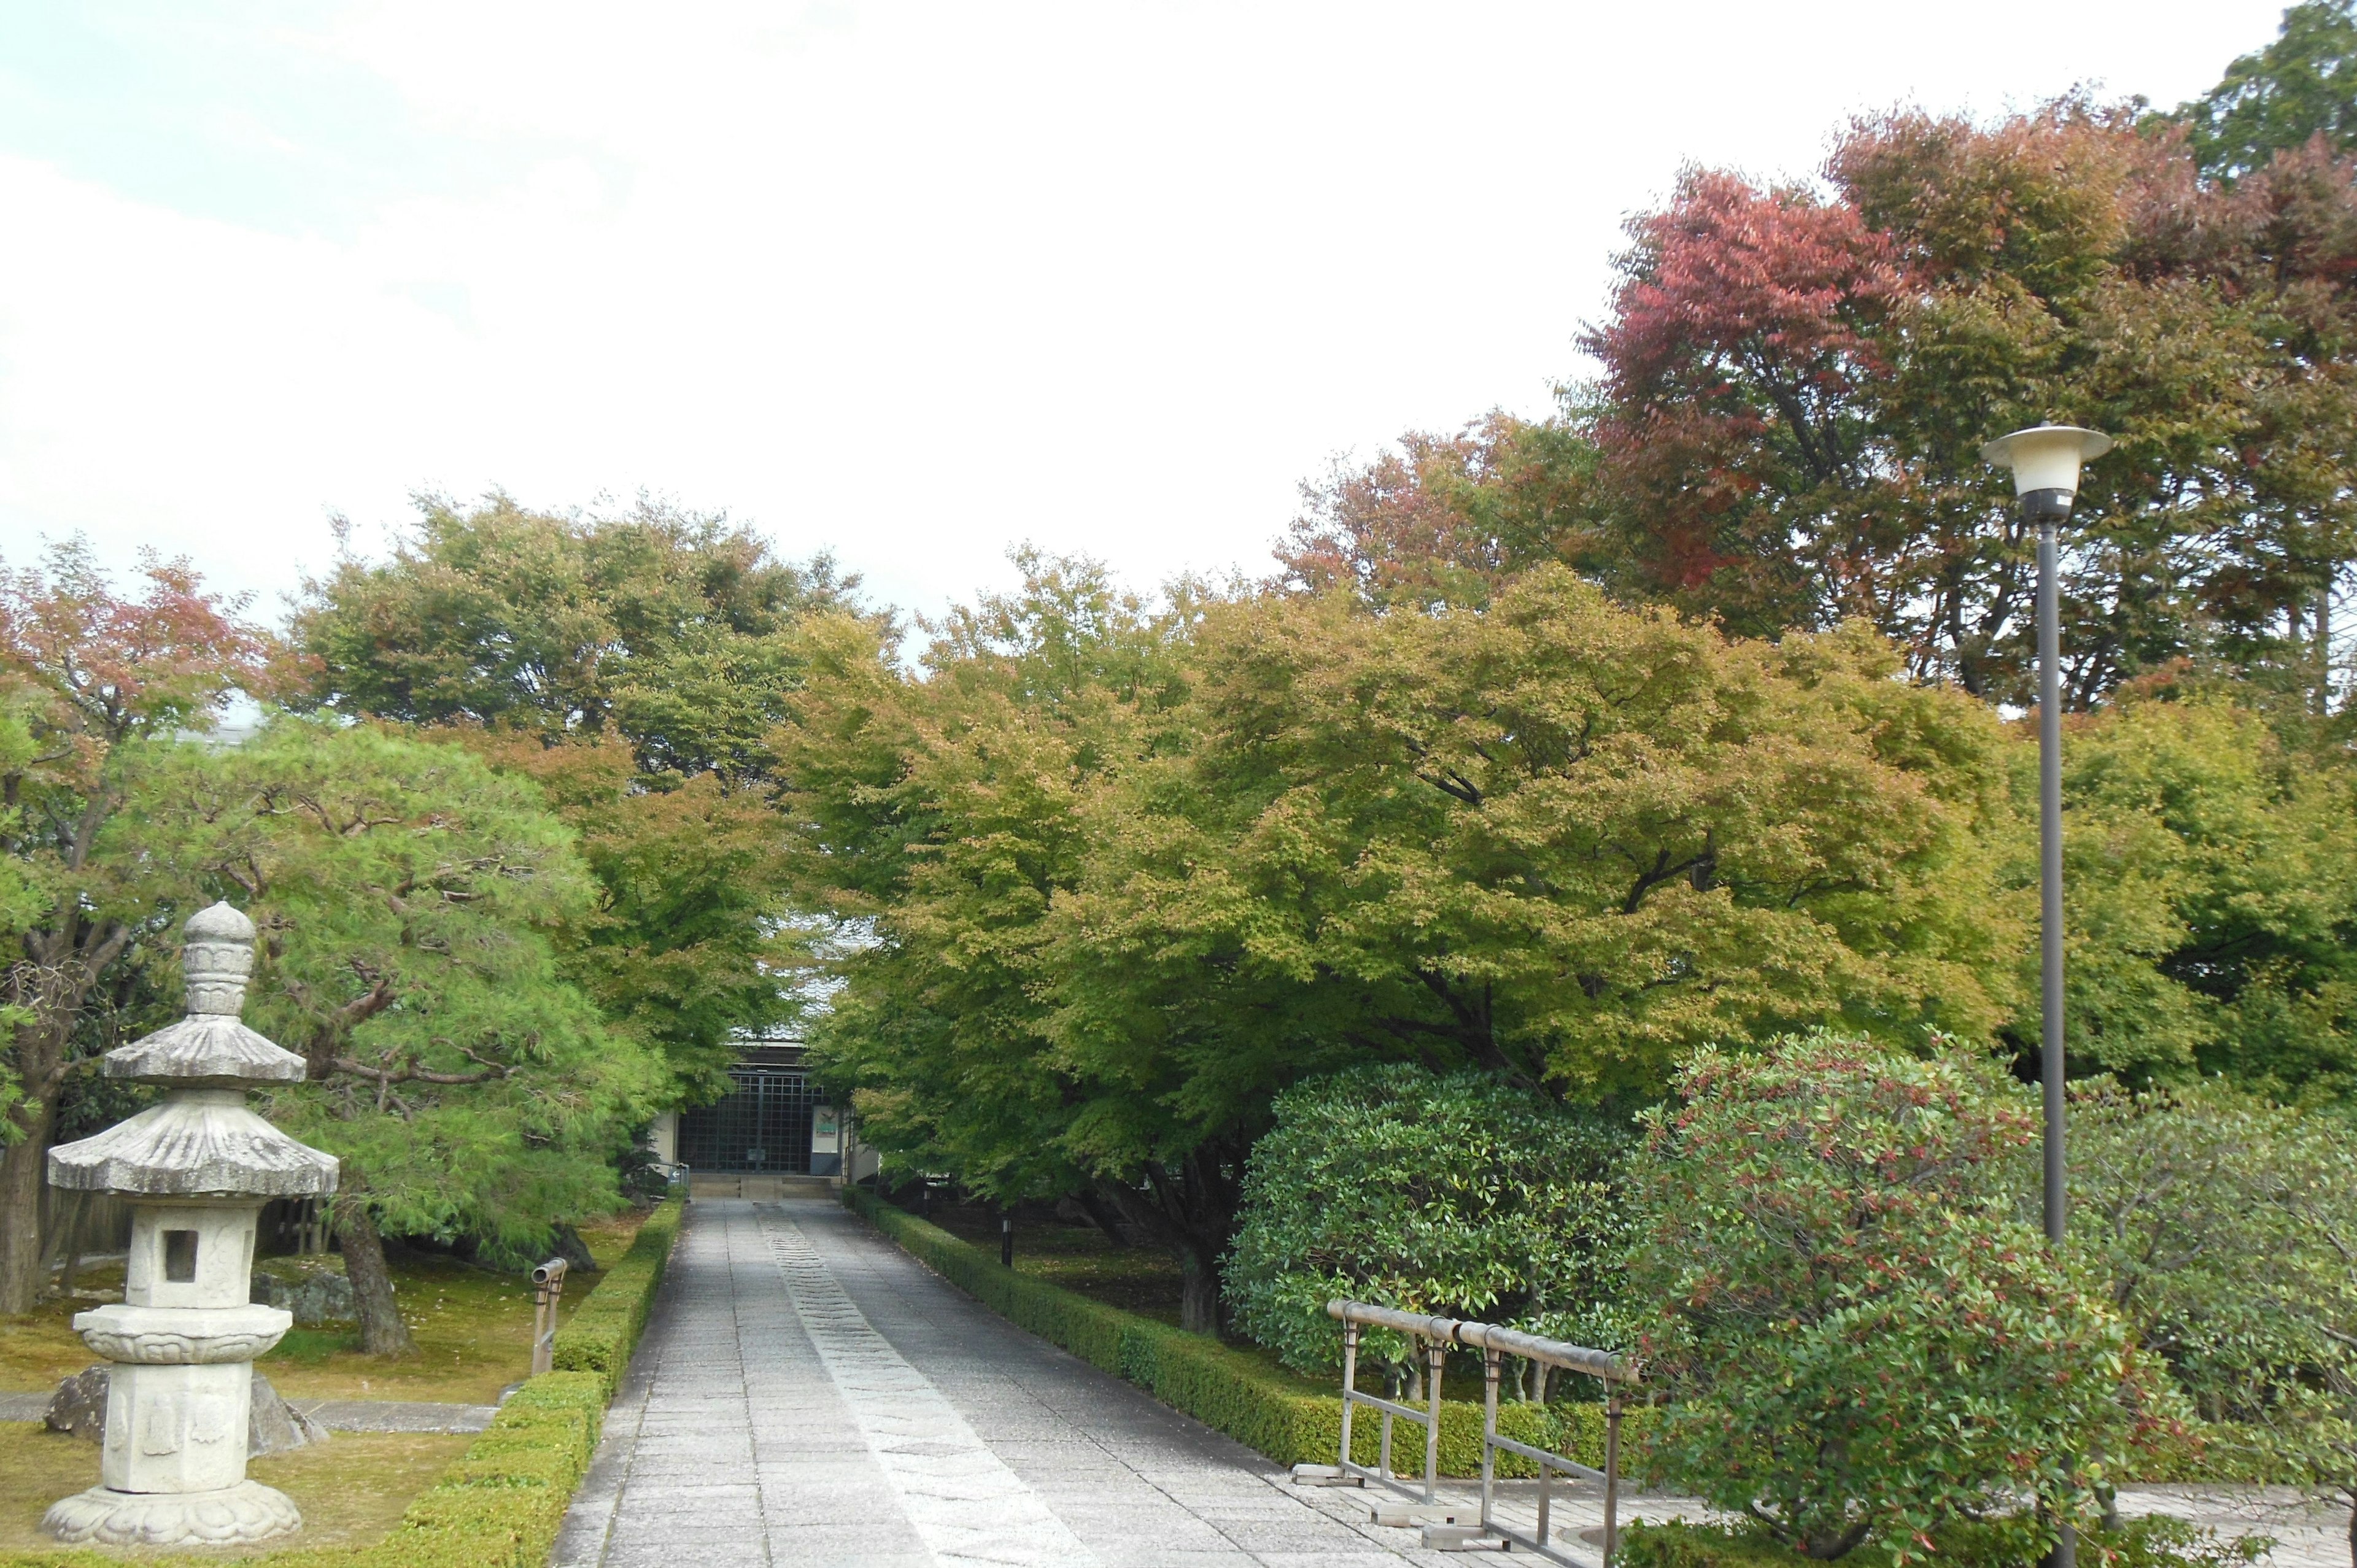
column 762, row 1189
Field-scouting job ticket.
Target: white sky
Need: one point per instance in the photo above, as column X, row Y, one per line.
column 911, row 282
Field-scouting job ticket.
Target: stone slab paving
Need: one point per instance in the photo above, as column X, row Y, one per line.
column 808, row 1394
column 396, row 1416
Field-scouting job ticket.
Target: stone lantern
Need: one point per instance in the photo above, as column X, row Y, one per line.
column 197, row 1170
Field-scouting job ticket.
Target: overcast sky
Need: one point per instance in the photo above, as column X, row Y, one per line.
column 908, row 282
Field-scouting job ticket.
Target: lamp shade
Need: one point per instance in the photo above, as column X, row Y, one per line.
column 2046, row 457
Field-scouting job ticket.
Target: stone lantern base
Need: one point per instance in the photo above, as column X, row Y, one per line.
column 233, row 1516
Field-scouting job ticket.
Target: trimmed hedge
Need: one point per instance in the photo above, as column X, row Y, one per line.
column 501, row 1503
column 600, row 1334
column 1225, row 1388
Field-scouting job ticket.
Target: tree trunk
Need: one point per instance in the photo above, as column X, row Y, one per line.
column 58, row 971
column 1199, row 1292
column 381, row 1331
column 1191, row 1210
column 1106, row 1218
column 21, row 1168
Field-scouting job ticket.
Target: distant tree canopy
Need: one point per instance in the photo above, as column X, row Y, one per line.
column 633, row 667
column 1795, row 382
column 2275, row 100
column 668, row 629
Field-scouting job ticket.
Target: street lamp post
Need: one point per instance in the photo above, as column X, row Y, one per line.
column 2045, row 462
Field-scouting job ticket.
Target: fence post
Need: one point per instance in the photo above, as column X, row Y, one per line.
column 548, row 1288
column 1612, row 1477
column 1490, row 1359
column 1350, row 1376
column 1435, row 1354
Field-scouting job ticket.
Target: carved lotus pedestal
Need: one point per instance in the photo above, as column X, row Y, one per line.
column 197, row 1169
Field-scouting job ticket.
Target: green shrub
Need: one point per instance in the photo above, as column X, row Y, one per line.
column 2015, row 1543
column 2224, row 1227
column 1860, row 1336
column 1457, row 1196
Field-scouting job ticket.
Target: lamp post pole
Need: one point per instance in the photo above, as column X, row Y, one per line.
column 2045, row 463
column 2049, row 872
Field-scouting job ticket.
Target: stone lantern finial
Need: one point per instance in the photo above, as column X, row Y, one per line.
column 216, row 957
column 197, row 1170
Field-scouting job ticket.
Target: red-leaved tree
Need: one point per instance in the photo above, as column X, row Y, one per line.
column 87, row 674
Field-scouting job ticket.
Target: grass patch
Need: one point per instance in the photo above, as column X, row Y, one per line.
column 473, row 1330
column 351, row 1490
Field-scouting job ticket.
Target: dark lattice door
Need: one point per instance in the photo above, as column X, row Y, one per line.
column 761, row 1124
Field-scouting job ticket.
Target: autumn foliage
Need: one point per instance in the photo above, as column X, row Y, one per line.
column 1793, row 384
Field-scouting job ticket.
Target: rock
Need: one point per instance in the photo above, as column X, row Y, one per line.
column 272, row 1426
column 314, row 1289
column 79, row 1409
column 568, row 1245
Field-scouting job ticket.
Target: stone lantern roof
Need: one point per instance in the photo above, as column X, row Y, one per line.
column 202, row 1140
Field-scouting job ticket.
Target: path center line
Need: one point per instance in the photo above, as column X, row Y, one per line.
column 965, row 1503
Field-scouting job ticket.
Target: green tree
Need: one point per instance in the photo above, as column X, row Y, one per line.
column 648, row 657
column 1555, row 839
column 1457, row 1196
column 1127, row 876
column 1859, row 1338
column 1445, row 518
column 671, row 631
column 2276, row 99
column 2209, row 881
column 936, row 818
column 407, row 896
column 90, row 677
column 693, row 936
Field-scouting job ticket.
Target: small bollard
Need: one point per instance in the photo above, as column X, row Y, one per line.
column 547, row 1288
column 1007, row 1240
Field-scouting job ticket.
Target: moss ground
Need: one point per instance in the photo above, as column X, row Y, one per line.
column 350, row 1489
column 473, row 1330
column 1080, row 1258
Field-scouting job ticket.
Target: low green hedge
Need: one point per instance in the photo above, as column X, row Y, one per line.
column 499, row 1504
column 1226, row 1389
column 600, row 1334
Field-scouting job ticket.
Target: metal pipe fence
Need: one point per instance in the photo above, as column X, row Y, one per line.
column 1435, row 1336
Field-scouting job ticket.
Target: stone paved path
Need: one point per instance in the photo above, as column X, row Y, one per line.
column 807, row 1394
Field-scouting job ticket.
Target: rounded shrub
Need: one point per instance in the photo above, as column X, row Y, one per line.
column 1460, row 1195
column 1859, row 1338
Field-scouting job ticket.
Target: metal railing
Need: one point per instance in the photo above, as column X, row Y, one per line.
column 547, row 1290
column 1436, row 1335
